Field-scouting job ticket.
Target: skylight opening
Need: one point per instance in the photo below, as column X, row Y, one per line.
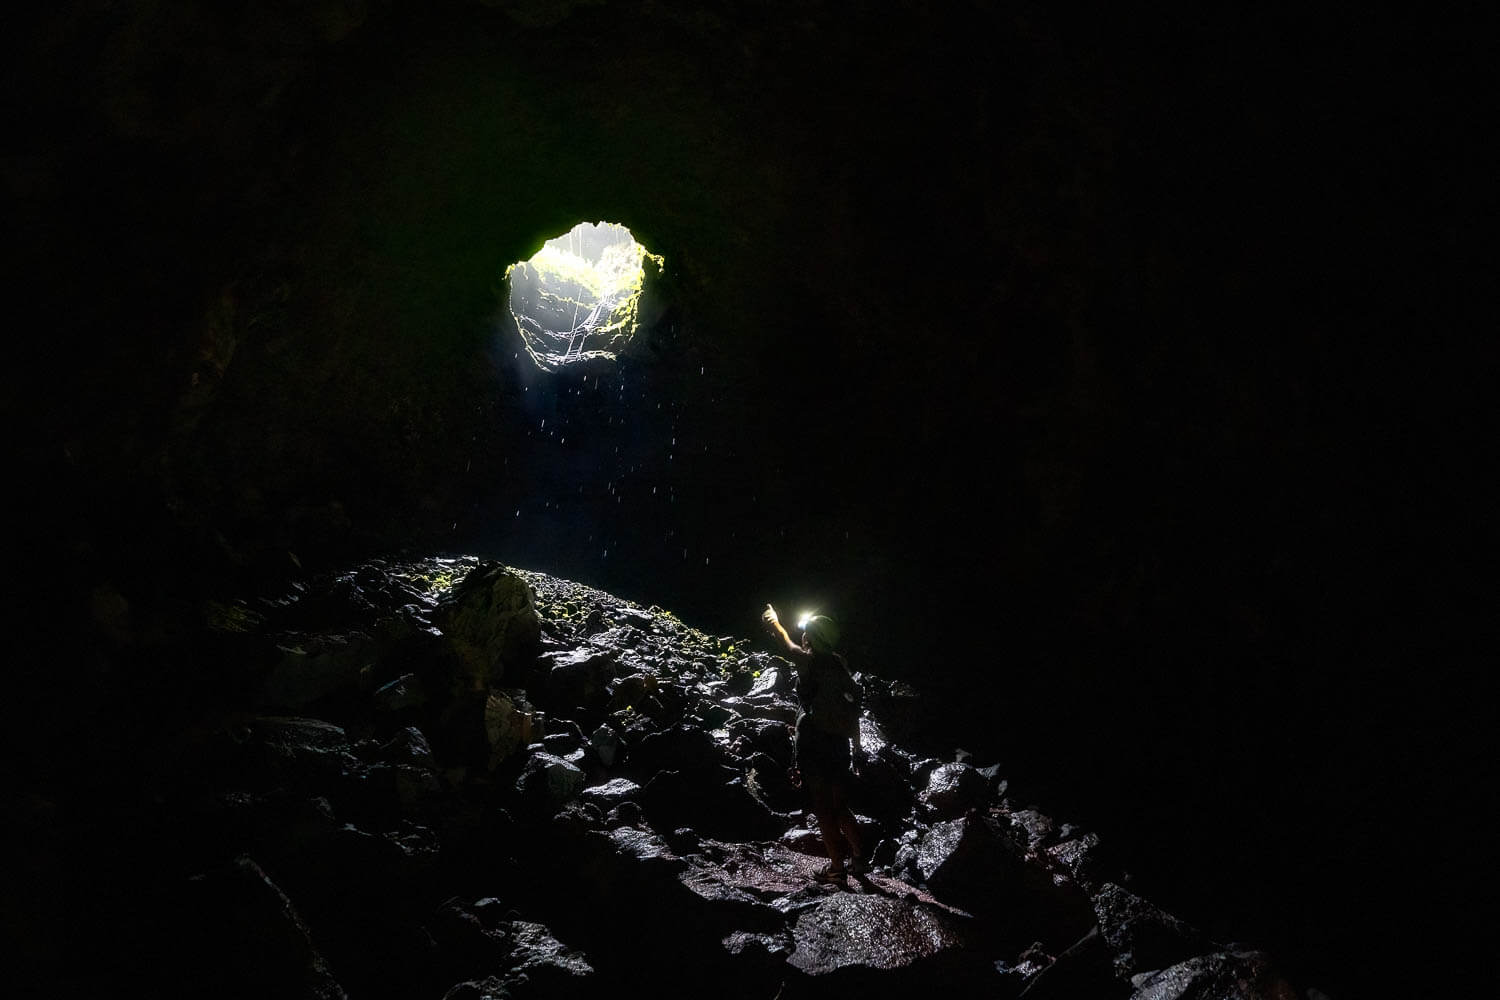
column 577, row 298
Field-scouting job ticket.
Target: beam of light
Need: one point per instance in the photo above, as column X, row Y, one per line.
column 576, row 299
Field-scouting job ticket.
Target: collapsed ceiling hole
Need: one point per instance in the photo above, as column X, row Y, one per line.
column 576, row 298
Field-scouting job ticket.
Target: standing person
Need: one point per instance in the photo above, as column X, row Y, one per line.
column 827, row 722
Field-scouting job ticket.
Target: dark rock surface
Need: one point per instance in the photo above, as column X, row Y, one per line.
column 522, row 861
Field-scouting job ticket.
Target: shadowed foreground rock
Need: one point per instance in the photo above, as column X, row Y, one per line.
column 614, row 819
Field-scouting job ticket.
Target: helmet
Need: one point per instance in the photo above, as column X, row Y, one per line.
column 822, row 634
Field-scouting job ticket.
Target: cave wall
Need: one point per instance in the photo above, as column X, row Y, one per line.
column 1054, row 355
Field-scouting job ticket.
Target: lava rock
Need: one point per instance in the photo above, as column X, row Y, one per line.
column 1222, row 975
column 249, row 940
column 610, row 794
column 606, row 744
column 952, row 790
column 1142, row 936
column 870, row 932
column 549, row 780
column 491, row 621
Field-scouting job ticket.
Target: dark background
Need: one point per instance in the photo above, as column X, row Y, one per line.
column 1116, row 381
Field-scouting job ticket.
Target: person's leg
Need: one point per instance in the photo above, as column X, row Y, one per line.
column 828, row 821
column 849, row 829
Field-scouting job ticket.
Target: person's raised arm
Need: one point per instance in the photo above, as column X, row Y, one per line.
column 773, row 625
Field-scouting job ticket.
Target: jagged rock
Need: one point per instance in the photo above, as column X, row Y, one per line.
column 508, row 726
column 1083, row 970
column 606, row 745
column 578, row 678
column 769, row 949
column 624, row 814
column 1142, row 936
column 770, row 736
column 1081, row 859
column 536, row 964
column 952, row 790
column 550, row 780
column 545, row 961
column 492, row 623
column 576, row 818
column 631, row 691
column 870, row 932
column 976, row 863
column 250, row 940
column 611, row 793
column 1037, row 828
column 769, row 682
column 408, row 746
column 561, row 744
column 402, row 693
column 323, row 666
column 1221, row 976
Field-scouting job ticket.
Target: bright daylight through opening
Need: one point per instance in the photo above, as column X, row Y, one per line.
column 576, row 298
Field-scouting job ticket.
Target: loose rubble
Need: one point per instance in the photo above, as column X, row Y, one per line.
column 456, row 779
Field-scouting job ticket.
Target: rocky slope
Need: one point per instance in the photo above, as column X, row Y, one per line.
column 449, row 778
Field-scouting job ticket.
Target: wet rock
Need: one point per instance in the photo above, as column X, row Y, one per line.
column 578, row 678
column 1037, row 829
column 1142, row 936
column 248, row 939
column 624, row 814
column 410, row 747
column 491, row 621
column 870, row 932
column 1221, row 976
column 606, row 745
column 952, row 790
column 545, row 963
column 549, row 780
column 1082, row 858
column 610, row 794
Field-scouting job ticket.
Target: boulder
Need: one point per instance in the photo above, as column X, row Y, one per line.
column 319, row 667
column 1240, row 975
column 850, row 930
column 508, row 726
column 549, row 780
column 251, row 940
column 606, row 744
column 578, row 678
column 952, row 790
column 408, row 747
column 610, row 794
column 1142, row 936
column 718, row 808
column 491, row 622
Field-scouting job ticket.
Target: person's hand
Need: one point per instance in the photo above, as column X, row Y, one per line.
column 768, row 618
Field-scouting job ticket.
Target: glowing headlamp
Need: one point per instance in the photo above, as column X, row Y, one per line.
column 804, row 618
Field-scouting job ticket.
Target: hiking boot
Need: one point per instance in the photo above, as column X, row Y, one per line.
column 833, row 874
column 859, row 865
